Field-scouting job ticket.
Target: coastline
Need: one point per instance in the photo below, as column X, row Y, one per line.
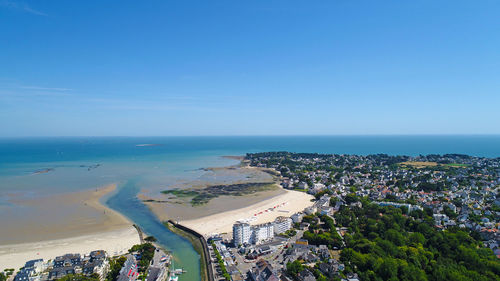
column 99, row 228
column 220, row 213
column 289, row 203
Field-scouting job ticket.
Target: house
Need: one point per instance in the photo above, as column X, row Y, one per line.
column 306, row 275
column 326, row 211
column 323, row 252
column 263, row 271
column 327, row 269
column 297, row 217
column 310, row 210
column 68, row 260
column 60, row 272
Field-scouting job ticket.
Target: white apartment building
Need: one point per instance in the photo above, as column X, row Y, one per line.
column 241, row 233
column 262, row 232
column 282, row 224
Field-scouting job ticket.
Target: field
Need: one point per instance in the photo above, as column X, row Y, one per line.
column 418, row 164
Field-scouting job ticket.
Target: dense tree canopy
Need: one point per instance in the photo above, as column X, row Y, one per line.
column 384, row 244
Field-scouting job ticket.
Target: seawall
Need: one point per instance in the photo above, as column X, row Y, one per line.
column 205, row 255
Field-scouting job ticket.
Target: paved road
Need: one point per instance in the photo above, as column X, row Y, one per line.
column 158, row 269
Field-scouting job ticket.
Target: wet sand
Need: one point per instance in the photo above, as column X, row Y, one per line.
column 66, row 223
column 60, row 216
column 180, row 209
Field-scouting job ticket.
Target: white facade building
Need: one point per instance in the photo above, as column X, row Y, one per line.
column 241, row 233
column 282, row 224
column 262, row 232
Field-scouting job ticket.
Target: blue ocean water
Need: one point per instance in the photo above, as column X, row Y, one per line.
column 72, row 163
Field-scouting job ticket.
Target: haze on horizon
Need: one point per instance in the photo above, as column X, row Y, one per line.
column 128, row 68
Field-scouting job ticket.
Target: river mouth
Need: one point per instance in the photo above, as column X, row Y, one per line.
column 126, row 202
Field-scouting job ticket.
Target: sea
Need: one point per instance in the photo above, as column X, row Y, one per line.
column 67, row 164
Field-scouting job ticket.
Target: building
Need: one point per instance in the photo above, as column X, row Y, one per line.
column 241, row 233
column 262, row 232
column 97, row 263
column 282, row 224
column 306, row 275
column 263, row 271
column 31, row 271
column 129, row 270
column 37, row 265
column 409, row 207
column 326, row 211
column 297, row 217
column 310, row 210
column 68, row 260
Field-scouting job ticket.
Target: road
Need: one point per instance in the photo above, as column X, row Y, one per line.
column 157, row 269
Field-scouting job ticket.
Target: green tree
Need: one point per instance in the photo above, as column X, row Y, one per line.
column 114, row 268
column 293, row 268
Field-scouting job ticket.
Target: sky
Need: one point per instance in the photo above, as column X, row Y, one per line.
column 249, row 67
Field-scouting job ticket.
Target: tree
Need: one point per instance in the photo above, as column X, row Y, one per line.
column 417, row 238
column 388, row 269
column 293, row 268
column 115, row 266
column 150, row 239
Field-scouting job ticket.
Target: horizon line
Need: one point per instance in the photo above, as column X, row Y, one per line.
column 256, row 135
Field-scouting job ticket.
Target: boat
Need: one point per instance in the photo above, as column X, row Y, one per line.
column 179, row 271
column 174, row 271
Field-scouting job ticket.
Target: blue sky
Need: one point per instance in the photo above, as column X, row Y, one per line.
column 249, row 67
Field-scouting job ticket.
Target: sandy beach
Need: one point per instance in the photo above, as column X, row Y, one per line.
column 114, row 242
column 289, row 202
column 65, row 223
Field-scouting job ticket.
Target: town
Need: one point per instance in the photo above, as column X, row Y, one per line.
column 373, row 217
column 143, row 262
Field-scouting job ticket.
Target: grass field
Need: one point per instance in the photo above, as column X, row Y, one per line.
column 418, row 164
column 421, row 164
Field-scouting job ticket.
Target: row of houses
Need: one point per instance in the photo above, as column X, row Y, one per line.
column 38, row 270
